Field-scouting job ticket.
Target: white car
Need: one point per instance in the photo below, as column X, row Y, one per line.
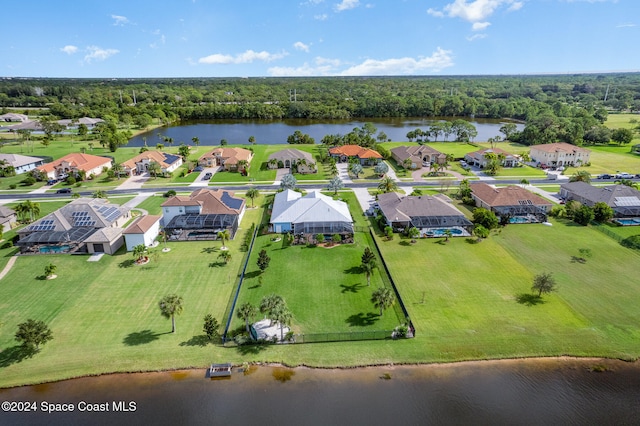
column 624, row 175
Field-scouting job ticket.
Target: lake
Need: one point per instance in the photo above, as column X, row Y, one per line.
column 513, row 392
column 276, row 132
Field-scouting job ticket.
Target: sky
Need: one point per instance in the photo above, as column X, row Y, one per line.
column 268, row 38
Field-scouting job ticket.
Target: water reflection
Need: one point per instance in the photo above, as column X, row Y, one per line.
column 547, row 391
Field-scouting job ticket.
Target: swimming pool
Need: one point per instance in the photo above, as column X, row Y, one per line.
column 519, row 219
column 54, row 249
column 629, row 222
column 440, row 232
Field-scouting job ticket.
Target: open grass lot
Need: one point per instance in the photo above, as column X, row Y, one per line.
column 520, row 172
column 616, row 121
column 470, row 290
column 323, row 288
column 609, row 159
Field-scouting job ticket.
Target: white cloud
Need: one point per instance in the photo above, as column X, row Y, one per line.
column 625, row 25
column 98, row 53
column 591, row 1
column 298, row 45
column 474, row 11
column 242, row 58
column 119, row 20
column 69, row 49
column 479, row 26
column 476, row 37
column 439, row 60
column 346, row 5
column 322, row 17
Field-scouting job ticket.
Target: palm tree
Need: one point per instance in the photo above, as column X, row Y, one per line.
column 524, row 182
column 243, row 166
column 225, row 256
column 581, row 176
column 413, row 233
column 246, row 312
column 117, row 168
column 28, row 209
column 282, row 315
column 252, row 193
column 407, row 163
column 252, row 140
column 195, row 140
column 387, row 184
column 383, row 298
column 154, row 168
column 269, row 304
column 356, row 169
column 367, row 268
column 333, row 169
column 447, row 235
column 99, row 194
column 335, row 184
column 139, row 252
column 224, row 236
column 170, row 306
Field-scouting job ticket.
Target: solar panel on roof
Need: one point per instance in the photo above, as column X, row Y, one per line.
column 627, row 201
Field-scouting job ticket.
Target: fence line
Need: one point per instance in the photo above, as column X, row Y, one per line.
column 404, row 314
column 232, row 302
column 607, row 232
column 342, row 336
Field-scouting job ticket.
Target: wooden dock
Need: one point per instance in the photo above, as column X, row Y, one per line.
column 220, row 371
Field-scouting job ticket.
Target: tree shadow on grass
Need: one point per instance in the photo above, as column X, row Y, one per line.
column 362, row 320
column 252, row 274
column 216, row 264
column 529, row 299
column 201, row 340
column 254, row 286
column 351, row 288
column 441, row 242
column 576, row 259
column 353, row 270
column 15, row 354
column 405, row 243
column 126, row 263
column 209, row 250
column 141, row 337
column 252, row 349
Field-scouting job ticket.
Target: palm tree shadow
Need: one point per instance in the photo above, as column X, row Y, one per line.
column 252, row 349
column 209, row 250
column 141, row 337
column 529, row 299
column 126, row 263
column 216, row 264
column 351, row 288
column 362, row 320
column 353, row 270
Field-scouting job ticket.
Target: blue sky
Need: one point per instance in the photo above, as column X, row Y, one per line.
column 262, row 38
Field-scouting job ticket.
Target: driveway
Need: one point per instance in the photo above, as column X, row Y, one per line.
column 134, row 182
column 202, row 182
column 343, row 172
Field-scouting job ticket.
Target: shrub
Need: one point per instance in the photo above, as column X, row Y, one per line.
column 71, row 180
column 13, row 186
column 169, row 193
column 28, row 181
column 632, row 242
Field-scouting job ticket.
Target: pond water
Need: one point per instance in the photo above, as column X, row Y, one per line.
column 515, row 392
column 276, row 132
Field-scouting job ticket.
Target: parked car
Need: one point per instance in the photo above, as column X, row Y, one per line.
column 64, row 191
column 52, row 182
column 624, row 175
column 207, row 176
column 604, row 176
column 198, row 169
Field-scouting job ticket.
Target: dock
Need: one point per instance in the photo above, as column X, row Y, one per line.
column 220, row 371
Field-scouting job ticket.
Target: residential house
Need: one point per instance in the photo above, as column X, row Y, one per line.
column 8, row 218
column 87, row 121
column 202, row 214
column 67, row 229
column 559, row 154
column 365, row 156
column 311, row 214
column 432, row 215
column 14, row 118
column 143, row 230
column 624, row 200
column 73, row 163
column 301, row 161
column 513, row 203
column 104, row 240
column 140, row 163
column 480, row 159
column 20, row 163
column 228, row 158
column 418, row 156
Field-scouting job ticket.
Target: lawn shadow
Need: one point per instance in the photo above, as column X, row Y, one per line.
column 576, row 259
column 126, row 263
column 252, row 274
column 252, row 349
column 141, row 337
column 351, row 288
column 353, row 270
column 201, row 340
column 529, row 299
column 362, row 320
column 254, row 286
column 405, row 243
column 209, row 250
column 216, row 264
column 15, row 354
column 441, row 242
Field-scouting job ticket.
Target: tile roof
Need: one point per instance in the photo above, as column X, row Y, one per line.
column 402, row 208
column 77, row 160
column 507, row 196
column 229, row 155
column 559, row 147
column 416, row 152
column 142, row 224
column 212, row 201
column 165, row 160
column 354, row 151
column 479, row 155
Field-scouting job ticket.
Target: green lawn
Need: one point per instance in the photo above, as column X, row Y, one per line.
column 609, row 159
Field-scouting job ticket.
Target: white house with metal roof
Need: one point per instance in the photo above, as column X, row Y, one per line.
column 20, row 163
column 313, row 213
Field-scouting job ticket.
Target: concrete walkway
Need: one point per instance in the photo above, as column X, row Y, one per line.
column 8, row 266
column 137, row 200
